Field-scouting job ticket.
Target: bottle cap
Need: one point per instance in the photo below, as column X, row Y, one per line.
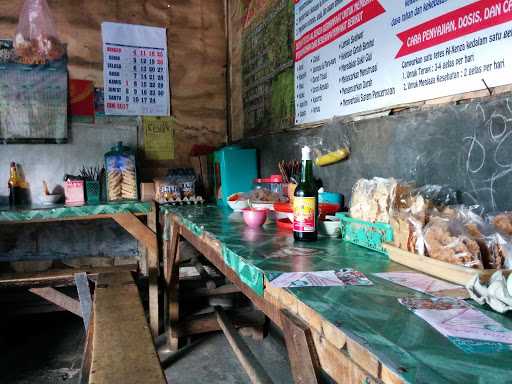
column 306, row 153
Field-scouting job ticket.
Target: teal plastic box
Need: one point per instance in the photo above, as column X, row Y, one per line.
column 235, row 169
column 365, row 234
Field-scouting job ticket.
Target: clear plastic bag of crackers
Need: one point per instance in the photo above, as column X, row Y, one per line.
column 36, row 40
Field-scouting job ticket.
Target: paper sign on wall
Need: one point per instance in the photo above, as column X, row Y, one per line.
column 135, row 70
column 158, row 138
column 361, row 55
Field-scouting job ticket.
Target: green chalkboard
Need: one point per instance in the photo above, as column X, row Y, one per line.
column 267, row 66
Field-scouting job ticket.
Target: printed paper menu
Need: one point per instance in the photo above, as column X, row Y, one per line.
column 135, row 70
column 362, row 55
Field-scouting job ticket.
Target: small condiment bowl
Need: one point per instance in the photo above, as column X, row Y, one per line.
column 255, row 217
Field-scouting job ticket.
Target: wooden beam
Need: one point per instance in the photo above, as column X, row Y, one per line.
column 122, row 344
column 208, row 323
column 84, row 293
column 227, row 289
column 301, row 349
column 251, row 365
column 58, row 298
column 56, row 277
column 137, row 229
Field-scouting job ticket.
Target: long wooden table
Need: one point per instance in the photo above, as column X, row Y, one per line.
column 354, row 334
column 126, row 214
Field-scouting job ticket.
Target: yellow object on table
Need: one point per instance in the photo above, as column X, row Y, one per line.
column 332, row 157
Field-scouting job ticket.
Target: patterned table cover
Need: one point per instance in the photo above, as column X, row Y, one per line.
column 56, row 212
column 370, row 315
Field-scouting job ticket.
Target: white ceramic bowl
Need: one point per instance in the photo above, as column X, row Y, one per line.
column 238, row 205
column 51, row 199
column 329, row 228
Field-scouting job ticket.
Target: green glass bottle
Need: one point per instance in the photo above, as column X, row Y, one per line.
column 305, row 202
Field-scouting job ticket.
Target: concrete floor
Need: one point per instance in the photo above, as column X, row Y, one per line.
column 47, row 349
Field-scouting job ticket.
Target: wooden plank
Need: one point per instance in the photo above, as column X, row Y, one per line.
column 251, row 365
column 364, row 358
column 301, row 349
column 122, row 345
column 450, row 272
column 149, row 239
column 56, row 277
column 58, row 298
column 84, row 293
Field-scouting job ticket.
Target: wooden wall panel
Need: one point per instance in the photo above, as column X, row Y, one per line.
column 197, row 55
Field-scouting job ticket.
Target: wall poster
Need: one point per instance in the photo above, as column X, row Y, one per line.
column 362, row 55
column 135, row 70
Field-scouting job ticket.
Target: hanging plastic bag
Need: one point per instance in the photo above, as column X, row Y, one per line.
column 36, row 40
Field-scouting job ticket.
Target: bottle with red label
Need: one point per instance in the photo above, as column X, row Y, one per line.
column 305, row 202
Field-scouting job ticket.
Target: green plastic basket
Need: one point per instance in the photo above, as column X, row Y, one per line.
column 365, row 234
column 92, row 191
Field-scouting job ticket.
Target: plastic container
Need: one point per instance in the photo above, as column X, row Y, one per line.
column 365, row 234
column 274, row 184
column 92, row 192
column 121, row 173
column 74, row 192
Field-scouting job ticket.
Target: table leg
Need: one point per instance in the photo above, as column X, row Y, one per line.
column 301, row 349
column 171, row 270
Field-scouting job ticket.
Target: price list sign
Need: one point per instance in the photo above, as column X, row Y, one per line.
column 135, row 70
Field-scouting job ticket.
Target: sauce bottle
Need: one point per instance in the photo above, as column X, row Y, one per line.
column 305, row 202
column 14, row 186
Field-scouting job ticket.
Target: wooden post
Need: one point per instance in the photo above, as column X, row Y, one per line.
column 172, row 277
column 301, row 349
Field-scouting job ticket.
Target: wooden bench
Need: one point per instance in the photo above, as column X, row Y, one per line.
column 119, row 346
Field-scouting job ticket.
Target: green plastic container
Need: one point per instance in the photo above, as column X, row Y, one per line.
column 92, row 192
column 365, row 234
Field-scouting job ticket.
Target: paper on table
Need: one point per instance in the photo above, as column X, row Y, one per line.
column 466, row 327
column 341, row 278
column 424, row 283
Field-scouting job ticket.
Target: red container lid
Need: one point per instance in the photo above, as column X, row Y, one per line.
column 285, row 224
column 271, row 179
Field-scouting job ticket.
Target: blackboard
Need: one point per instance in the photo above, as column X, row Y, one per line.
column 466, row 145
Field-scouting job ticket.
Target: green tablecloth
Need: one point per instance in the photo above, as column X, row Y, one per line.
column 370, row 315
column 56, row 212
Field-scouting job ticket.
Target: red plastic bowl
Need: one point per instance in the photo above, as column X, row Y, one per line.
column 285, row 224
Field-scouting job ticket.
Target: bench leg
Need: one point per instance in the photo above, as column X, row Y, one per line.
column 171, row 271
column 301, row 349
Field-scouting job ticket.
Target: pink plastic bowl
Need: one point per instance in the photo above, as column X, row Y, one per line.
column 254, row 217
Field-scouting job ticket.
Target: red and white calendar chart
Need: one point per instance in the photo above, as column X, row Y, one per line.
column 135, row 70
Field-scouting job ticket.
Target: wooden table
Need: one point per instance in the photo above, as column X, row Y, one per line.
column 125, row 213
column 354, row 334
